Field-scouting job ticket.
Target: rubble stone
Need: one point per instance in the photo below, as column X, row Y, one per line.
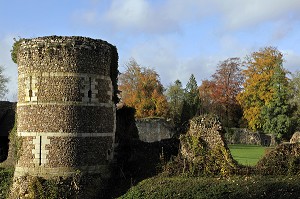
column 66, row 106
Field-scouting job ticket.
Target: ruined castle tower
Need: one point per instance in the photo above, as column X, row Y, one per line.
column 66, row 109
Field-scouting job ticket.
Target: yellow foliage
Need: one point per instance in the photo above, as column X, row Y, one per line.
column 141, row 89
column 257, row 86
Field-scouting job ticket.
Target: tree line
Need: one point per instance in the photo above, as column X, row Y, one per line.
column 256, row 92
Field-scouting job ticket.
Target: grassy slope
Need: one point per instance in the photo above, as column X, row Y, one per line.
column 213, row 188
column 6, row 175
column 247, row 154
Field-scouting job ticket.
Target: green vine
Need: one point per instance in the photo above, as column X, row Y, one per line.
column 16, row 141
column 15, row 49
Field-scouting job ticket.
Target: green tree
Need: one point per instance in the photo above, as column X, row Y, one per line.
column 3, row 82
column 276, row 112
column 191, row 103
column 265, row 91
column 175, row 97
column 295, row 100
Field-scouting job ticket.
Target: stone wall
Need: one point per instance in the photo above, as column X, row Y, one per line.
column 154, row 129
column 245, row 136
column 66, row 107
column 7, row 117
column 204, row 150
column 7, row 121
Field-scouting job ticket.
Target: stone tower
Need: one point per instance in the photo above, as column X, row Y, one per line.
column 66, row 109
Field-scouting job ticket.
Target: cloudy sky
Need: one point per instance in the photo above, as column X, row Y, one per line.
column 175, row 37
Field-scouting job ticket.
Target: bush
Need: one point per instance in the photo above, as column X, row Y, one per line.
column 283, row 160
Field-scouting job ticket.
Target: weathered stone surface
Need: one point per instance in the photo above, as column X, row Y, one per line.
column 245, row 136
column 65, row 118
column 204, row 150
column 66, row 111
column 295, row 138
column 154, row 129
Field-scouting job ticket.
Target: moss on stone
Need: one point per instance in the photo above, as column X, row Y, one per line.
column 203, row 149
column 283, row 160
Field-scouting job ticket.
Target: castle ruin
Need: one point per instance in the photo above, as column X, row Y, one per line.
column 66, row 108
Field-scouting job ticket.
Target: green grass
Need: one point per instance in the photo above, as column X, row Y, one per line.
column 6, row 175
column 247, row 155
column 267, row 187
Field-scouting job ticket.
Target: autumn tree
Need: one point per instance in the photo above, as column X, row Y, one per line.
column 208, row 105
column 227, row 81
column 141, row 89
column 264, row 90
column 3, row 82
column 175, row 97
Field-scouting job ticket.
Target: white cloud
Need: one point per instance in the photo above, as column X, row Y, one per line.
column 144, row 16
column 167, row 16
column 162, row 55
column 129, row 14
column 238, row 14
column 292, row 60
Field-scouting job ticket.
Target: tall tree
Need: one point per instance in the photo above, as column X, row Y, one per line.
column 276, row 112
column 206, row 90
column 191, row 104
column 175, row 97
column 227, row 81
column 3, row 82
column 261, row 88
column 295, row 100
column 141, row 89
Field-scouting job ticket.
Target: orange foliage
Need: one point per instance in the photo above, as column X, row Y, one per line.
column 257, row 86
column 141, row 89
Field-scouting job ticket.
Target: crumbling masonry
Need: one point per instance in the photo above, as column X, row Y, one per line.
column 66, row 111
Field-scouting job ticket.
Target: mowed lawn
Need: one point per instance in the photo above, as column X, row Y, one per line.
column 247, row 154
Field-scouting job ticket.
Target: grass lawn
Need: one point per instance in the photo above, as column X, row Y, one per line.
column 249, row 187
column 247, row 155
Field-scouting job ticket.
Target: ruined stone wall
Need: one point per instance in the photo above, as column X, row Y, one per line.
column 153, row 129
column 245, row 136
column 295, row 138
column 204, row 149
column 7, row 117
column 66, row 110
column 7, row 122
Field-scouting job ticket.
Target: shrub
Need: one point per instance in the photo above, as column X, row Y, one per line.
column 283, row 160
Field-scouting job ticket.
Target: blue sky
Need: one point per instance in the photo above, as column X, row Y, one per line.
column 175, row 37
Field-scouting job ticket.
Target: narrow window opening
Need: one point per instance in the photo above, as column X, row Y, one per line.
column 90, row 90
column 108, row 154
column 40, row 158
column 30, row 88
column 30, row 93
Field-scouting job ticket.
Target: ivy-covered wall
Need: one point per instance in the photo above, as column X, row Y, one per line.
column 203, row 150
